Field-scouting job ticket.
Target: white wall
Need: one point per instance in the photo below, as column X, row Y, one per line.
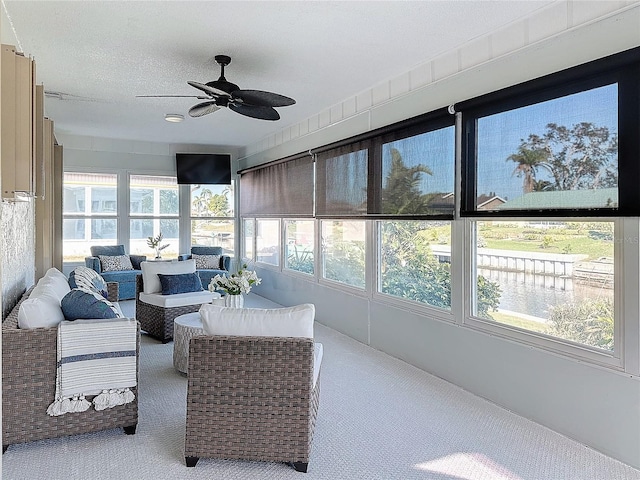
column 597, row 406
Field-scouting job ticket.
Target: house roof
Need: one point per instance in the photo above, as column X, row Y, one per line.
column 598, row 198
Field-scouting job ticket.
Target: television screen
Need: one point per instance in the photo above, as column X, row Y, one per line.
column 203, row 168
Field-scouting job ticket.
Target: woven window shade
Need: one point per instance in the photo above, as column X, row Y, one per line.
column 281, row 189
column 341, row 180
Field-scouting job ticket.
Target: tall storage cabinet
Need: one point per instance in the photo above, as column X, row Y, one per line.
column 18, row 140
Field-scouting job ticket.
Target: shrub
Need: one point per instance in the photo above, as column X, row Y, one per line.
column 589, row 323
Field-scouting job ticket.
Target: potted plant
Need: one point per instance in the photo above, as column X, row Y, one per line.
column 154, row 242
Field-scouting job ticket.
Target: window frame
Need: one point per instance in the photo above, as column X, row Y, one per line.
column 614, row 359
column 623, row 69
column 87, row 214
column 155, row 218
column 415, row 306
column 284, row 224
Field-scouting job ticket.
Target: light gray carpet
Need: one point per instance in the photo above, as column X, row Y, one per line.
column 379, row 418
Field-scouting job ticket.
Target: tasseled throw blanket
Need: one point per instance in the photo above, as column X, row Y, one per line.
column 95, row 357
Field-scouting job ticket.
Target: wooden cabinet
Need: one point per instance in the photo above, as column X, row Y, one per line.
column 18, row 136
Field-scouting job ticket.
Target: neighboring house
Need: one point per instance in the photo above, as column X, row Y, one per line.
column 598, row 198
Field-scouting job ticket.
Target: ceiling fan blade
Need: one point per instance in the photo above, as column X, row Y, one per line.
column 203, row 108
column 199, row 97
column 211, row 91
column 264, row 99
column 255, row 111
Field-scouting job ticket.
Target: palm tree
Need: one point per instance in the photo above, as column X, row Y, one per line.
column 402, row 194
column 528, row 161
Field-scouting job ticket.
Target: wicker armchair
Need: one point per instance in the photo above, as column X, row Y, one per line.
column 251, row 398
column 157, row 321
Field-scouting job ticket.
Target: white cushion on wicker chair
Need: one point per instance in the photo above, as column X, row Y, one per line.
column 150, row 271
column 258, row 322
column 178, row 299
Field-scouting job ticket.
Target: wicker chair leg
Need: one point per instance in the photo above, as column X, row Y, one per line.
column 4, row 448
column 191, row 461
column 130, row 430
column 300, row 466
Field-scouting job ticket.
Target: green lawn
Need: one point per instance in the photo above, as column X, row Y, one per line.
column 519, row 322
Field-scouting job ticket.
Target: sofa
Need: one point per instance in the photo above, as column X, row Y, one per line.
column 204, row 256
column 29, row 359
column 126, row 277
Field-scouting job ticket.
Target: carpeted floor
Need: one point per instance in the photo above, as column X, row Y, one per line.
column 379, row 418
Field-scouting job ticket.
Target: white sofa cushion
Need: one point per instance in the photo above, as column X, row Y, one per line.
column 54, row 272
column 150, row 271
column 52, row 284
column 258, row 322
column 178, row 299
column 41, row 310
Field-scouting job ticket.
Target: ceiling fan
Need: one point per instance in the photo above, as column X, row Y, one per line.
column 221, row 93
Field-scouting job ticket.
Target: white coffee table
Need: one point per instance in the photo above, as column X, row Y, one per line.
column 185, row 327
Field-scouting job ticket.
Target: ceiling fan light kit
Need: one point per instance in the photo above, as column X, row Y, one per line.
column 174, row 117
column 222, row 93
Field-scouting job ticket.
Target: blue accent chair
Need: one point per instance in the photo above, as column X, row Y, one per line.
column 126, row 278
column 207, row 274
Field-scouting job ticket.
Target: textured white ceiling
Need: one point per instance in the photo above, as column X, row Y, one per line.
column 101, row 54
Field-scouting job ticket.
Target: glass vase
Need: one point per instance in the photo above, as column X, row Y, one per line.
column 234, row 301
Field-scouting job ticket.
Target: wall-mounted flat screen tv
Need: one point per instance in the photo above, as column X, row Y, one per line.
column 203, row 168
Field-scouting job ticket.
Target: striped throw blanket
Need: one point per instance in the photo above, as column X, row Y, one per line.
column 95, row 357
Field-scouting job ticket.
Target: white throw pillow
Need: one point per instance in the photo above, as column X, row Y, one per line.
column 150, row 271
column 39, row 312
column 55, row 284
column 54, row 272
column 258, row 322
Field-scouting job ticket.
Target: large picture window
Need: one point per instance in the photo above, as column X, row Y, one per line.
column 551, row 277
column 212, row 211
column 153, row 210
column 343, row 252
column 89, row 206
column 555, row 146
column 299, row 246
column 268, row 241
column 558, row 154
column 415, row 261
column 418, row 174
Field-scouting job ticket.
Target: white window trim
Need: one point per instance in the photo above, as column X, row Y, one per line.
column 292, row 271
column 615, row 359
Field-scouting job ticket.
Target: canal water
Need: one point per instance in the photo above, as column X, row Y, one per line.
column 532, row 294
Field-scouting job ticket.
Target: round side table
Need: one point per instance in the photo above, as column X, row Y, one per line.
column 185, row 327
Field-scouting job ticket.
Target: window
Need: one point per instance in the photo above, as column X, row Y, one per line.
column 212, row 210
column 299, row 245
column 343, row 251
column 89, row 208
column 153, row 209
column 249, row 236
column 555, row 145
column 414, row 261
column 551, row 277
column 418, row 174
column 558, row 154
column 268, row 241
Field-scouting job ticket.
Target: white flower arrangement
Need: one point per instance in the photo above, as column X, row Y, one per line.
column 235, row 283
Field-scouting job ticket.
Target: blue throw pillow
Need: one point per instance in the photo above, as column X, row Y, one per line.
column 88, row 279
column 180, row 283
column 80, row 303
